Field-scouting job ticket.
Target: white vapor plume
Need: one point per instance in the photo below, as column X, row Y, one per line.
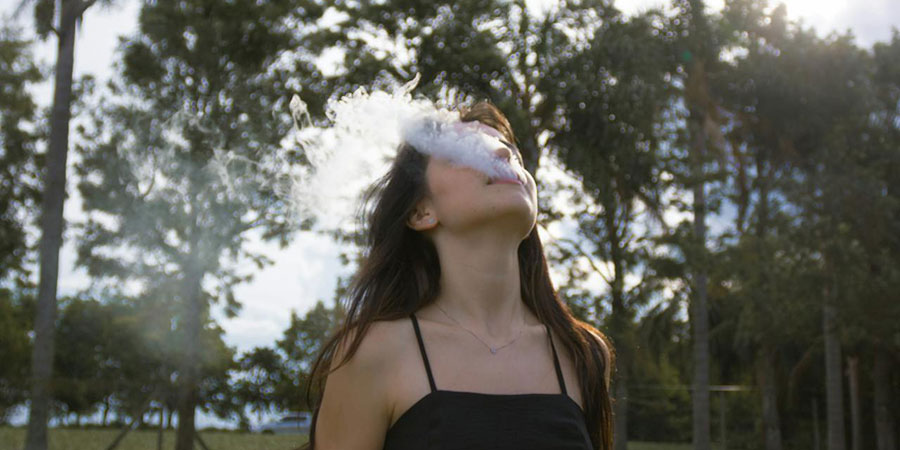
column 361, row 140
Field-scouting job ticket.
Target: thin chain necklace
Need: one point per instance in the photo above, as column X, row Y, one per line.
column 492, row 349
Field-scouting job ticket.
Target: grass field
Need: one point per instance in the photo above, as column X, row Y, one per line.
column 93, row 439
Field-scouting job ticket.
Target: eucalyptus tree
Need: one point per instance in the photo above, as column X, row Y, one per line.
column 764, row 260
column 502, row 51
column 823, row 139
column 613, row 95
column 798, row 108
column 883, row 245
column 863, row 153
column 698, row 47
column 178, row 172
column 61, row 18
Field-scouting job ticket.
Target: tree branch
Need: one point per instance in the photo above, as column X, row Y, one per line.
column 587, row 255
column 85, row 6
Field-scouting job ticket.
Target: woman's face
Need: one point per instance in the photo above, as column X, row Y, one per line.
column 463, row 198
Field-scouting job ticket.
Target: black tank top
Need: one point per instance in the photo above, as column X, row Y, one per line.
column 454, row 420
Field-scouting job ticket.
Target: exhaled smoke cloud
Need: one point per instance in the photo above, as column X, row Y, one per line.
column 358, row 144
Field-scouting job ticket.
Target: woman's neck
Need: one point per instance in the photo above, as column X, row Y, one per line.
column 480, row 284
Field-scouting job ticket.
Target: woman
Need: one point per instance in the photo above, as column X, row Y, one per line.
column 455, row 337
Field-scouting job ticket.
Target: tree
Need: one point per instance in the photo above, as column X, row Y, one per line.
column 300, row 344
column 67, row 15
column 610, row 140
column 882, row 244
column 262, row 374
column 765, row 264
column 203, row 91
column 83, row 333
column 823, row 140
column 800, row 106
column 698, row 48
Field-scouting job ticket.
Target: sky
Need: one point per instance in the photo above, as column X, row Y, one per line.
column 307, row 270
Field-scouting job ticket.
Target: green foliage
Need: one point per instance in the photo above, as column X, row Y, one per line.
column 19, row 162
column 119, row 352
column 82, row 335
column 301, row 343
column 276, row 379
column 263, row 372
column 15, row 352
column 44, row 15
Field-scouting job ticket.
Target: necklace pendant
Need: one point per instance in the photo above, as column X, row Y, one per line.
column 493, row 350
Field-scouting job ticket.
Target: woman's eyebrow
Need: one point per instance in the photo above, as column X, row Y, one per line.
column 504, row 142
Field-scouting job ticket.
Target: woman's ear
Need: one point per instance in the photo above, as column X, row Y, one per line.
column 423, row 217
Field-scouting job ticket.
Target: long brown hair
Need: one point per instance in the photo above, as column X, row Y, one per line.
column 400, row 273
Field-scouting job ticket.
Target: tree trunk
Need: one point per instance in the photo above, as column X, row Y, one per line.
column 767, row 354
column 188, row 378
column 855, row 412
column 51, row 222
column 885, row 431
column 620, row 409
column 834, row 395
column 619, row 326
column 136, row 421
column 698, row 308
column 768, row 389
column 159, row 434
column 816, row 439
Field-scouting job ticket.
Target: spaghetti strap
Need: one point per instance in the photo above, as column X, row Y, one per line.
column 422, row 350
column 559, row 376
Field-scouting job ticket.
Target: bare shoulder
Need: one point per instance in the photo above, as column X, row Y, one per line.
column 376, row 347
column 356, row 404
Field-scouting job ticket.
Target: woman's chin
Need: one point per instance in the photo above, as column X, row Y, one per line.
column 517, row 222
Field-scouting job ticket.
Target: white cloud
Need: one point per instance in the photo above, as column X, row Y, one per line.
column 303, row 273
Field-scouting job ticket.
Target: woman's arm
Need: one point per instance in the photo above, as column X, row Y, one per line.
column 354, row 413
